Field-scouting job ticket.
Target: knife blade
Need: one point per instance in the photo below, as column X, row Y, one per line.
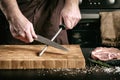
column 50, row 43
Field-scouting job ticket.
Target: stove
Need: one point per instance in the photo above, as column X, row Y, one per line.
column 87, row 31
column 99, row 4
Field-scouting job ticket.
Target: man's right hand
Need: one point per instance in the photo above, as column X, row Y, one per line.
column 20, row 27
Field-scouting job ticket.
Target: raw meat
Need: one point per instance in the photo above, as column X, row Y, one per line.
column 105, row 54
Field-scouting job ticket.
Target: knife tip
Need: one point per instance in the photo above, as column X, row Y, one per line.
column 66, row 49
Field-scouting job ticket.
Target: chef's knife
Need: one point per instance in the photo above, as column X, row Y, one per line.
column 49, row 42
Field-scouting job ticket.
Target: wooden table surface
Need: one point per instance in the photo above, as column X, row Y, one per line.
column 26, row 57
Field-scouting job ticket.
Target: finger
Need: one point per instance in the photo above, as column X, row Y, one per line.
column 73, row 22
column 12, row 31
column 33, row 33
column 16, row 32
column 67, row 22
column 21, row 36
column 21, row 33
column 22, row 39
column 29, row 35
column 76, row 22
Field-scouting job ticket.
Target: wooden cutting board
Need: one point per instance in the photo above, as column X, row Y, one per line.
column 26, row 57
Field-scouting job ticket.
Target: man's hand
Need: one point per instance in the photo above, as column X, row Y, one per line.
column 20, row 27
column 70, row 13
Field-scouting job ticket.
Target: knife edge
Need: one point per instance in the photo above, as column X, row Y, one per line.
column 50, row 43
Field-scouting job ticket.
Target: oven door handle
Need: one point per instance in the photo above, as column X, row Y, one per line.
column 90, row 16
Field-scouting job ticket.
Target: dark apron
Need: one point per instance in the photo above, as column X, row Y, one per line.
column 45, row 16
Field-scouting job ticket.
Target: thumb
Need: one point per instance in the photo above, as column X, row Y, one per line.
column 33, row 32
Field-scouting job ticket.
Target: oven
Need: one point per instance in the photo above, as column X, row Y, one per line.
column 87, row 31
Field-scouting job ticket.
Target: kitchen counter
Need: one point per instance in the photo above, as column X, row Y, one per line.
column 92, row 72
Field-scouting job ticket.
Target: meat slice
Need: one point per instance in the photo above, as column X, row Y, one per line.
column 105, row 54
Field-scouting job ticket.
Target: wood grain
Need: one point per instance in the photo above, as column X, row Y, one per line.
column 25, row 57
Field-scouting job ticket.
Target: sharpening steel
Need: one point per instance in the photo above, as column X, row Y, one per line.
column 58, row 32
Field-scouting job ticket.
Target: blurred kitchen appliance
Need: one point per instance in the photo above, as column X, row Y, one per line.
column 99, row 4
column 87, row 31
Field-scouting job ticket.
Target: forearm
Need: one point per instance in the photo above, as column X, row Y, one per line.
column 20, row 27
column 9, row 8
column 71, row 2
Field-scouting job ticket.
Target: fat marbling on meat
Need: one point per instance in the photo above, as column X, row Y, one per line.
column 105, row 54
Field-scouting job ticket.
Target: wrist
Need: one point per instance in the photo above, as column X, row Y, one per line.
column 71, row 2
column 13, row 15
